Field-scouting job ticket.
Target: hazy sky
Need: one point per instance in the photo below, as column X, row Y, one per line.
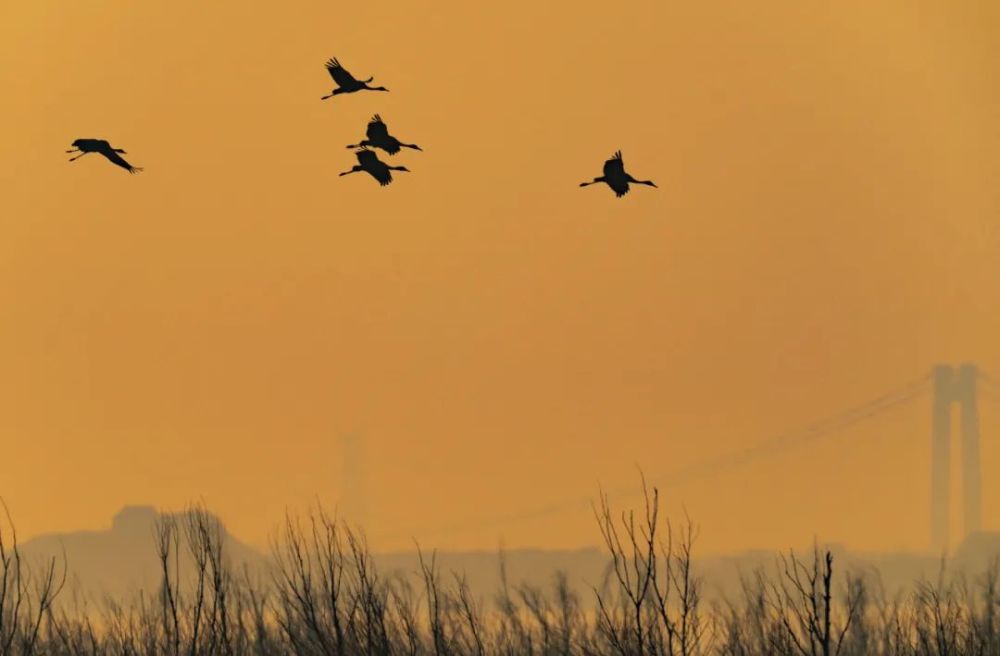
column 826, row 229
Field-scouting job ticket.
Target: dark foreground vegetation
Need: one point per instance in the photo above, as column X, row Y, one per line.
column 323, row 596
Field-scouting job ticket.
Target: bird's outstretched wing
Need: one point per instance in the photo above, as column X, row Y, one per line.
column 367, row 157
column 614, row 166
column 377, row 129
column 339, row 73
column 117, row 159
column 374, row 166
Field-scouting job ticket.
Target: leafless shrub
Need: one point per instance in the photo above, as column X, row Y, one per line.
column 324, row 596
column 26, row 594
column 653, row 605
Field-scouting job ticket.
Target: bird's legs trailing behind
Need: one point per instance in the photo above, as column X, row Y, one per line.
column 82, row 153
column 594, row 181
column 649, row 183
column 364, row 85
column 354, row 169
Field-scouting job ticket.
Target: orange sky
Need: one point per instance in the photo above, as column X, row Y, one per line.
column 826, row 229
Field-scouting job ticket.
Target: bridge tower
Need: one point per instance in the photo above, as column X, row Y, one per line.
column 954, row 385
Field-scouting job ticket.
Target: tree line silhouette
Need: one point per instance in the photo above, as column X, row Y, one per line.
column 323, row 595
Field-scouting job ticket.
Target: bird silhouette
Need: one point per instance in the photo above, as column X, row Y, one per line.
column 378, row 137
column 84, row 146
column 347, row 83
column 616, row 177
column 369, row 162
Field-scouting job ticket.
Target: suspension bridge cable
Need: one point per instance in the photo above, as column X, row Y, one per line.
column 806, row 434
column 712, row 466
column 990, row 381
column 989, row 392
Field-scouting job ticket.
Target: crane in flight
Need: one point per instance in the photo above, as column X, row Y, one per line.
column 346, row 83
column 377, row 136
column 616, row 177
column 369, row 162
column 84, row 146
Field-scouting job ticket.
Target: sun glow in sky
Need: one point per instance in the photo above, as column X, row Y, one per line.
column 826, row 229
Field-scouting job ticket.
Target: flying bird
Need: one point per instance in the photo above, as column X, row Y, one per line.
column 347, row 83
column 84, row 146
column 616, row 177
column 378, row 137
column 369, row 162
